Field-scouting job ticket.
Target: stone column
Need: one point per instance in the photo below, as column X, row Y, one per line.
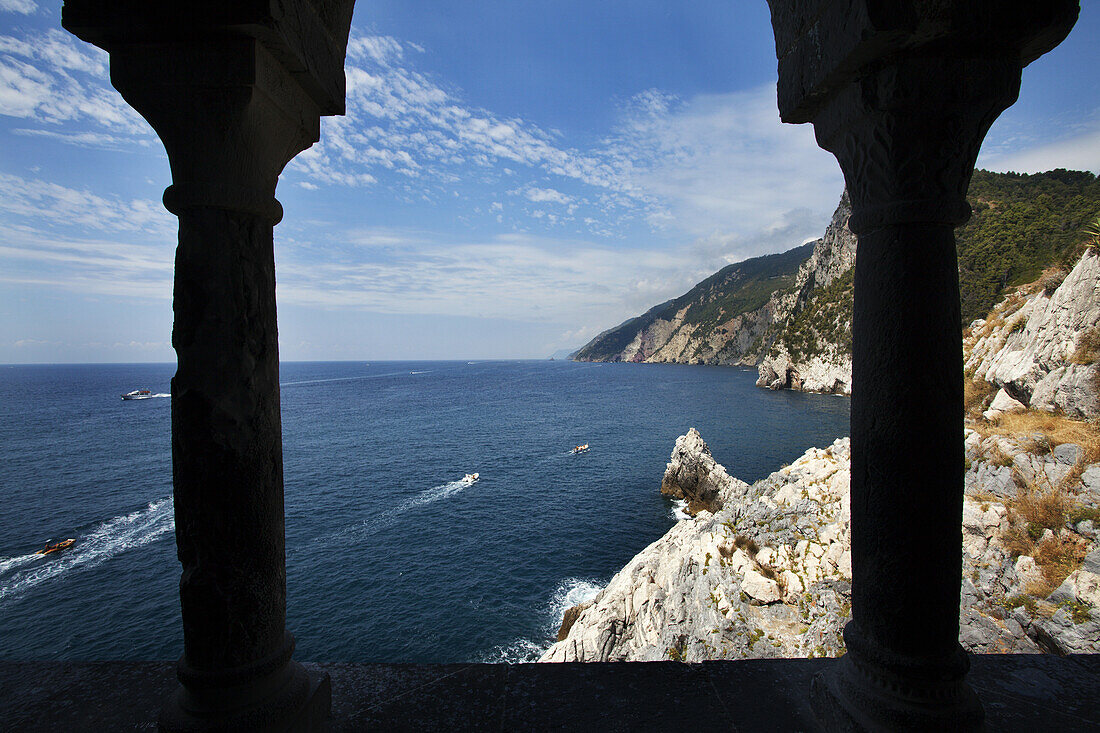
column 906, row 136
column 230, row 118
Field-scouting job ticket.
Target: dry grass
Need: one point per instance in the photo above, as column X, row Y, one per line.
column 976, row 394
column 1057, row 557
column 1057, row 429
column 747, row 544
column 1051, row 278
column 1017, row 541
column 1046, row 509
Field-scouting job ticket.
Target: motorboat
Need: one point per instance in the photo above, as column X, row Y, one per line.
column 138, row 394
column 55, row 547
column 470, row 478
column 580, row 449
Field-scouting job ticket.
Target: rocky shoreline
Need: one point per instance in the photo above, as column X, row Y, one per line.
column 764, row 570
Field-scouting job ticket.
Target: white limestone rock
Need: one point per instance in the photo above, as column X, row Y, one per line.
column 701, row 592
column 1002, row 403
column 705, row 589
column 693, row 475
column 760, row 588
column 1030, row 348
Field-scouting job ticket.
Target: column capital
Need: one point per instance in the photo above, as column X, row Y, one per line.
column 229, row 114
column 907, row 135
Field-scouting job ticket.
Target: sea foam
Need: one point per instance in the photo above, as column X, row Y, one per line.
column 101, row 543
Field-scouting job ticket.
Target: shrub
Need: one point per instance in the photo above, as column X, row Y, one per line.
column 1051, row 278
column 1016, row 601
column 976, row 393
column 1082, row 513
column 747, row 544
column 1079, row 612
column 1088, row 348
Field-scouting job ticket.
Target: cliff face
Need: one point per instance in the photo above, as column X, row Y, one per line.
column 739, row 313
column 1042, row 348
column 768, row 573
column 716, row 322
column 812, row 348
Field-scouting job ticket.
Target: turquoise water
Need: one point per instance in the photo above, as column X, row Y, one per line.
column 389, row 555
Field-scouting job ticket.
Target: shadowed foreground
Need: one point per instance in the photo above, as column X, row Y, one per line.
column 1019, row 693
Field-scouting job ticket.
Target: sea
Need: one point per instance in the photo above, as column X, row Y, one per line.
column 390, row 555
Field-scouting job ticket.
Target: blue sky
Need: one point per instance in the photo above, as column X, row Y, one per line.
column 511, row 178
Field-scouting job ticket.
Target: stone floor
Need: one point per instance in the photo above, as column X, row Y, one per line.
column 1020, row 693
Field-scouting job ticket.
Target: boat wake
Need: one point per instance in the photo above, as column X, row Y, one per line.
column 568, row 593
column 389, row 516
column 101, row 543
column 340, row 379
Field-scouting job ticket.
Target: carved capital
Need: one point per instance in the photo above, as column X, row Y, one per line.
column 907, row 135
column 229, row 114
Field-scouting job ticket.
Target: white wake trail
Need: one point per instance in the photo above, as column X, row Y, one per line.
column 389, row 516
column 90, row 549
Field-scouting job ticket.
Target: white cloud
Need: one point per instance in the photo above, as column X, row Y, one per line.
column 717, row 166
column 542, row 195
column 41, row 202
column 724, row 167
column 26, row 7
column 1079, row 152
column 516, row 276
column 53, row 79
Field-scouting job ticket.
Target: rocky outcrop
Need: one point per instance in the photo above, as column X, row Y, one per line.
column 768, row 573
column 829, row 372
column 693, row 476
column 1033, row 344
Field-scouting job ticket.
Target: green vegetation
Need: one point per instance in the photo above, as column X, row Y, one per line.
column 826, row 319
column 1079, row 612
column 1022, row 225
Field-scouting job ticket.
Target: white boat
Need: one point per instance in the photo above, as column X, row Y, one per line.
column 470, row 478
column 580, row 449
column 138, row 394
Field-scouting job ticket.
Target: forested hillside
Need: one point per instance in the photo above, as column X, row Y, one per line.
column 1022, row 224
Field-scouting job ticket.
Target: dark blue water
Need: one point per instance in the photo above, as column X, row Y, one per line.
column 389, row 556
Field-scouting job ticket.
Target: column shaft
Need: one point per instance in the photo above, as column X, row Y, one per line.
column 906, row 136
column 227, row 440
column 907, row 450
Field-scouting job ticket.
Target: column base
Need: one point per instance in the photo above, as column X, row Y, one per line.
column 859, row 695
column 288, row 698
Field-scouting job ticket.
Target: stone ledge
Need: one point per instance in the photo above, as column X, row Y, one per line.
column 1020, row 693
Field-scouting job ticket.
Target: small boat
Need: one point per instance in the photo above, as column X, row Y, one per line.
column 138, row 394
column 580, row 449
column 470, row 478
column 55, row 547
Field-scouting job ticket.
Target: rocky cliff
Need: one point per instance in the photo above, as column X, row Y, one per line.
column 811, row 349
column 739, row 313
column 768, row 573
column 719, row 321
column 1041, row 344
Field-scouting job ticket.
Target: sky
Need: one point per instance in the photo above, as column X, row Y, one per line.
column 511, row 178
